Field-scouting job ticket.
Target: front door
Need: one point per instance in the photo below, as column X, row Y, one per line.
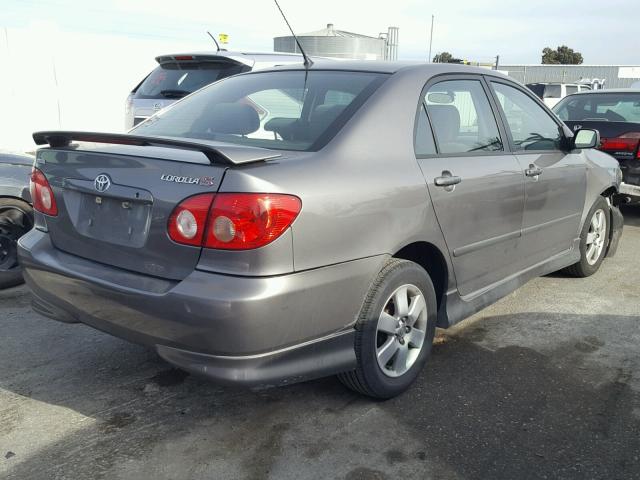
column 476, row 187
column 555, row 179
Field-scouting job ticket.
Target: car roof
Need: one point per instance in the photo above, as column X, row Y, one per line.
column 556, row 83
column 248, row 58
column 428, row 69
column 608, row 90
column 15, row 158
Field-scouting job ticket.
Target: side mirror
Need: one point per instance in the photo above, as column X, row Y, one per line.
column 586, row 138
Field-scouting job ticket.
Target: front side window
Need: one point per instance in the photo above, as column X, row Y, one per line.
column 286, row 110
column 462, row 118
column 531, row 127
column 571, row 89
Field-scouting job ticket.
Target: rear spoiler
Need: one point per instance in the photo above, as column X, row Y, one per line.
column 217, row 154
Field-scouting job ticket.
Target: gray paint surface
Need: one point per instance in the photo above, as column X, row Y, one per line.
column 552, row 371
column 14, row 176
column 365, row 196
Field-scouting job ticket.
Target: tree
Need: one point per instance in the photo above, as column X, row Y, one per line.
column 562, row 55
column 445, row 57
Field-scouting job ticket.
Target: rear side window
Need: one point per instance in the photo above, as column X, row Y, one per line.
column 531, row 127
column 286, row 110
column 462, row 118
column 424, row 144
column 571, row 89
column 176, row 80
column 552, row 91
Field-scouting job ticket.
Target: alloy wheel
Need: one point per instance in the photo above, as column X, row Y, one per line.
column 596, row 236
column 401, row 330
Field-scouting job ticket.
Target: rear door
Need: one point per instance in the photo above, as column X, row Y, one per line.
column 114, row 205
column 475, row 183
column 555, row 180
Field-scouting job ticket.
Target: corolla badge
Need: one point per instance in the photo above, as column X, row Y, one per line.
column 102, row 182
column 202, row 181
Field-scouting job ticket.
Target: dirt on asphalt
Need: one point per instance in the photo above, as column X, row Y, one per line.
column 543, row 384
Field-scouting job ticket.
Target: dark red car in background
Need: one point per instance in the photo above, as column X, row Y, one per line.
column 615, row 114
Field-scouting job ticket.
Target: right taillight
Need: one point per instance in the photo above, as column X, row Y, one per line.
column 627, row 142
column 233, row 221
column 42, row 194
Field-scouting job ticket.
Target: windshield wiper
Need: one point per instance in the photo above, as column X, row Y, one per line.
column 174, row 93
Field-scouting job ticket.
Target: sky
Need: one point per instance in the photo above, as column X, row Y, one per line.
column 475, row 30
column 71, row 63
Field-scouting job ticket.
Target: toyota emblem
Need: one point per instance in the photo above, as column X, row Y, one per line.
column 102, row 182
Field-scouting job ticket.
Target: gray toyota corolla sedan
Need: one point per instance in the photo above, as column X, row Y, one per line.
column 294, row 223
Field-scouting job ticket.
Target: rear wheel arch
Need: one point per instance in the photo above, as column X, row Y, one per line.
column 431, row 258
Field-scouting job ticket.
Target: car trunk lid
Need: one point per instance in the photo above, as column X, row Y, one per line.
column 114, row 201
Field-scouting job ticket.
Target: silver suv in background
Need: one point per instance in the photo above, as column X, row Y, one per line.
column 178, row 75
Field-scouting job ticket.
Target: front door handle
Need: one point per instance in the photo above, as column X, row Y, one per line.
column 446, row 180
column 533, row 171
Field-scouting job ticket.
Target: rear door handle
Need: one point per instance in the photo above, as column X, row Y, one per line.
column 533, row 171
column 447, row 180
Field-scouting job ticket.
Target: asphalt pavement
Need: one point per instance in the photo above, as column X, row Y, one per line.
column 544, row 384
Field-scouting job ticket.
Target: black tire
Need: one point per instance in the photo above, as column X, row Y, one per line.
column 16, row 219
column 369, row 378
column 584, row 268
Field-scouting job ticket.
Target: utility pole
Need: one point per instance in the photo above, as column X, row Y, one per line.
column 431, row 38
column 497, row 61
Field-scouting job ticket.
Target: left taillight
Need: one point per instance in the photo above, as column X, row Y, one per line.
column 42, row 194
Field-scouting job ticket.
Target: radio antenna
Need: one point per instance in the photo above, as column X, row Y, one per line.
column 307, row 60
column 214, row 40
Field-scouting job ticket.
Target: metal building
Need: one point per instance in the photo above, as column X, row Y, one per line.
column 330, row 42
column 615, row 76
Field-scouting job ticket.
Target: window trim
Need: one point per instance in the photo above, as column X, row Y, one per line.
column 489, row 80
column 506, row 145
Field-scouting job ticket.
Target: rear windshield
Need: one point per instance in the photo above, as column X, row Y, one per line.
column 175, row 80
column 287, row 110
column 604, row 107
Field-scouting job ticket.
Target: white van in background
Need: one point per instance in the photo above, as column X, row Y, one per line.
column 552, row 93
column 178, row 75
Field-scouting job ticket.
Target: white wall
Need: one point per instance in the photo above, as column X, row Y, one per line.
column 51, row 79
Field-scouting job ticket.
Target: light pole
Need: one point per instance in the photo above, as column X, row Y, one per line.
column 431, row 38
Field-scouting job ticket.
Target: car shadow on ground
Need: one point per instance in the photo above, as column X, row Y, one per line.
column 631, row 215
column 476, row 412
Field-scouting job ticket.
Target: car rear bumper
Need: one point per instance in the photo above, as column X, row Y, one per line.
column 630, row 190
column 250, row 330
